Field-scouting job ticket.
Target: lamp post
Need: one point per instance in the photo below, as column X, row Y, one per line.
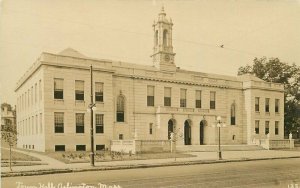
column 219, row 125
column 92, row 107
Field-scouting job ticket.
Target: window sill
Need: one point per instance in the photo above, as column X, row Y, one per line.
column 80, row 134
column 59, row 134
column 267, row 113
column 58, row 101
column 117, row 122
column 277, row 113
column 79, row 101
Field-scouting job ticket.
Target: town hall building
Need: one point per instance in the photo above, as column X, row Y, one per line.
column 141, row 102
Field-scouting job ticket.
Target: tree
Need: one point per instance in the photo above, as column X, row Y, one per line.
column 9, row 134
column 9, row 108
column 175, row 136
column 273, row 70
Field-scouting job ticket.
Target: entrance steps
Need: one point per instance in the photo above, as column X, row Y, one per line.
column 192, row 148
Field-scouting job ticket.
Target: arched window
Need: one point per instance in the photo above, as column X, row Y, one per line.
column 165, row 37
column 232, row 114
column 121, row 108
column 170, row 128
column 156, row 38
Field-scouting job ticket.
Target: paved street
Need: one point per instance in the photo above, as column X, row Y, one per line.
column 200, row 156
column 264, row 173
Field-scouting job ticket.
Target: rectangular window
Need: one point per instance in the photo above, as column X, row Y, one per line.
column 99, row 92
column 99, row 123
column 32, row 95
column 29, row 126
column 150, row 128
column 79, row 90
column 276, row 127
column 40, row 90
column 59, row 147
column 33, row 125
column 267, row 105
column 256, row 126
column 121, row 137
column 198, row 99
column 167, row 96
column 58, row 88
column 41, row 123
column 232, row 114
column 120, row 108
column 80, row 147
column 28, row 100
column 26, row 127
column 100, row 147
column 277, row 105
column 182, row 97
column 256, row 104
column 21, row 102
column 212, row 100
column 79, row 123
column 59, row 122
column 267, row 127
column 35, row 93
column 150, row 96
column 36, row 124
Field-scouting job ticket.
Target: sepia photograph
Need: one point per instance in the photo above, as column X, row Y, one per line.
column 150, row 93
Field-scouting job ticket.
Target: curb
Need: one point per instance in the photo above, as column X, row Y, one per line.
column 123, row 167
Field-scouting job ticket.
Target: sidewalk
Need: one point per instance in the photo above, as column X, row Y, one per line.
column 55, row 166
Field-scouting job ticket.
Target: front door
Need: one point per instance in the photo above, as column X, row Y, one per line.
column 201, row 133
column 170, row 128
column 187, row 133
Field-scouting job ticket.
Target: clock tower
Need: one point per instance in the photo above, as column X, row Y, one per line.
column 163, row 56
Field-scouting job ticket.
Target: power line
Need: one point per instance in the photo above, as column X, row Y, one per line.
column 145, row 34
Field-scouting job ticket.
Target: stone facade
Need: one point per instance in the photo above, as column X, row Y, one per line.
column 140, row 102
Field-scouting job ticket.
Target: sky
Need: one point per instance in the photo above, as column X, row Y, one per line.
column 122, row 30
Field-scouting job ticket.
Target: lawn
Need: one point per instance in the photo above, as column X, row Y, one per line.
column 18, row 159
column 16, row 156
column 83, row 157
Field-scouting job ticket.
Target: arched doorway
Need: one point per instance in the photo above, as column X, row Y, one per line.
column 187, row 133
column 202, row 124
column 170, row 128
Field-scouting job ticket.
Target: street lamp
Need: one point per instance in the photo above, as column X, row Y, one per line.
column 219, row 125
column 92, row 107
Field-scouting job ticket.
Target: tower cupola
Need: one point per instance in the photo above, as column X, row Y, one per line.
column 163, row 55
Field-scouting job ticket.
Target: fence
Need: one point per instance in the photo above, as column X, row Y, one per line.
column 139, row 146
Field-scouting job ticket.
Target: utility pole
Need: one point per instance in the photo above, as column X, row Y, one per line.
column 91, row 106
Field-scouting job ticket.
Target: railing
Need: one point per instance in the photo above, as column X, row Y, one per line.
column 127, row 146
column 277, row 144
column 274, row 144
column 138, row 146
column 267, row 84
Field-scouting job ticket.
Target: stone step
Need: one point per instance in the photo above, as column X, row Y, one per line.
column 215, row 148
